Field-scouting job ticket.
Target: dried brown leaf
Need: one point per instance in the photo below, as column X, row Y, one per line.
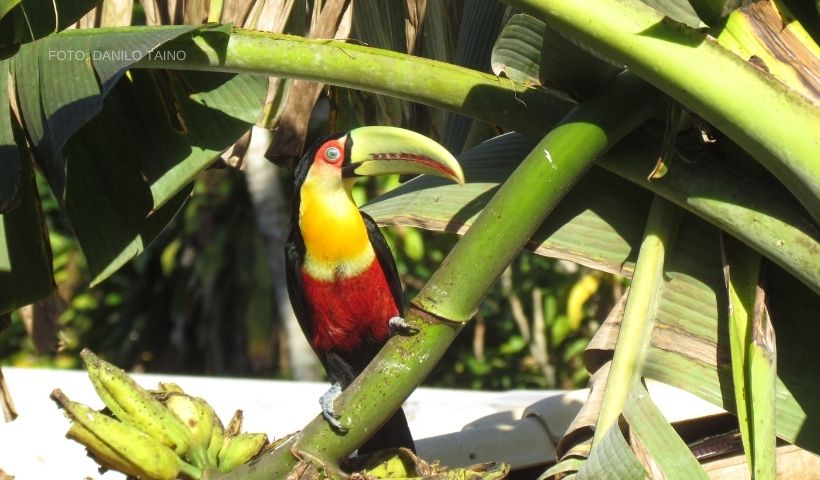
column 293, row 122
column 414, row 14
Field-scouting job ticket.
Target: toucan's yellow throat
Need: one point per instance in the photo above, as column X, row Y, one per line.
column 336, row 242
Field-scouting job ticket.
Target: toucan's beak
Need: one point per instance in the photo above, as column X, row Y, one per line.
column 386, row 150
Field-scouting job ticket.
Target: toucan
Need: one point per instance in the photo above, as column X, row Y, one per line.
column 341, row 277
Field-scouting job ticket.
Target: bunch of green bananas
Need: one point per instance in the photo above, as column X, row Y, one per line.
column 160, row 435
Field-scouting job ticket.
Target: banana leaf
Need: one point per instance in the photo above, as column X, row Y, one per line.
column 163, row 128
column 599, row 224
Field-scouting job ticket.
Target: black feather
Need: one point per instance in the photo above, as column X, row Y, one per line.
column 385, row 257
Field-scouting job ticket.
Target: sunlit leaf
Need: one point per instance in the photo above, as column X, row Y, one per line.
column 574, row 231
column 6, row 6
column 640, row 310
column 753, row 352
column 658, row 438
column 679, row 11
column 612, row 458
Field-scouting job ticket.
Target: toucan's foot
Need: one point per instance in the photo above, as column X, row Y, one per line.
column 326, row 401
column 399, row 325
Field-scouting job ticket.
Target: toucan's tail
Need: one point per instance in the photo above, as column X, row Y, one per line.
column 394, row 434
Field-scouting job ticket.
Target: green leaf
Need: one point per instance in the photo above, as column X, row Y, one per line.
column 61, row 82
column 117, row 208
column 599, row 224
column 25, row 255
column 438, row 42
column 579, row 229
column 216, row 109
column 529, row 51
column 679, row 11
column 749, row 208
column 434, row 83
column 28, row 20
column 640, row 311
column 517, row 51
column 658, row 438
column 565, row 467
column 612, row 458
column 664, row 52
column 6, row 6
column 382, row 27
column 479, row 27
column 132, row 153
column 604, row 232
column 106, row 197
column 10, row 167
column 694, row 354
column 753, row 351
column 569, row 67
column 711, row 11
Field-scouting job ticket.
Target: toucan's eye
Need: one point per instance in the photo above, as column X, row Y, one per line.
column 332, row 154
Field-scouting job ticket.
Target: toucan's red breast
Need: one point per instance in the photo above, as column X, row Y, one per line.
column 347, row 310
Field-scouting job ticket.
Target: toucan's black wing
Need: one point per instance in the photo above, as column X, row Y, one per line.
column 294, row 259
column 385, row 258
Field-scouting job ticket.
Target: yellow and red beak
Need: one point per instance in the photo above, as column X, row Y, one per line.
column 380, row 150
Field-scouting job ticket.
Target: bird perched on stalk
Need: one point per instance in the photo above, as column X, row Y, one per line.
column 342, row 279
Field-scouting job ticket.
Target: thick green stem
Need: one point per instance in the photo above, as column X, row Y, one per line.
column 454, row 293
column 639, row 313
column 775, row 124
column 380, row 71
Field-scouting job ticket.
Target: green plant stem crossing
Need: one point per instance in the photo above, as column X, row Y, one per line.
column 454, row 292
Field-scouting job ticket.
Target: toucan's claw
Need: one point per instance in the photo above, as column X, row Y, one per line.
column 400, row 325
column 326, row 401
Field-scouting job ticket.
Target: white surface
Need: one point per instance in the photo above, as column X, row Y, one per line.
column 34, row 446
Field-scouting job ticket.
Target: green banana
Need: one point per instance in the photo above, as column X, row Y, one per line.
column 118, row 446
column 98, row 450
column 165, row 387
column 208, row 419
column 216, row 441
column 204, row 425
column 134, row 405
column 239, row 449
